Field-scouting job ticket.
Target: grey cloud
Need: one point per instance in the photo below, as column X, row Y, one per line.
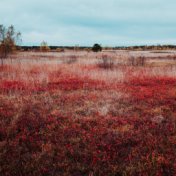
column 112, row 22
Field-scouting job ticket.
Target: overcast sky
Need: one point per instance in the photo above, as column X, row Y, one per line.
column 85, row 22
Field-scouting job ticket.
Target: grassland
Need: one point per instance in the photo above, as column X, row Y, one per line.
column 88, row 114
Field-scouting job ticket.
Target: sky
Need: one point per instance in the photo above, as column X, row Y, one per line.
column 85, row 22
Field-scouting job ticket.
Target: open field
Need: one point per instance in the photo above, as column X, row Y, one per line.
column 88, row 114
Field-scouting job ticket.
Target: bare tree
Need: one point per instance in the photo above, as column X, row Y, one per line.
column 9, row 39
column 44, row 47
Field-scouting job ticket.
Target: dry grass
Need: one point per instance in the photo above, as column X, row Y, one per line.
column 61, row 116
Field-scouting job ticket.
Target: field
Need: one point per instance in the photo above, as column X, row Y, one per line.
column 88, row 114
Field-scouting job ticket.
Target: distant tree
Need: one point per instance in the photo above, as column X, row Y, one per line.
column 96, row 48
column 9, row 39
column 44, row 47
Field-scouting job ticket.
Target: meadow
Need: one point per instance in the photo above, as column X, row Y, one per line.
column 79, row 113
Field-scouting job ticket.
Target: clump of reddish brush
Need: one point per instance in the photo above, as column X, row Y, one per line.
column 153, row 90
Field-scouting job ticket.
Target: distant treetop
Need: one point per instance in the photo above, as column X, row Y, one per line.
column 96, row 47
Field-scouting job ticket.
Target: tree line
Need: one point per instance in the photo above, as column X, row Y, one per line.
column 10, row 39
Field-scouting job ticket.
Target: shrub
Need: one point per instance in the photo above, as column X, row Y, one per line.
column 70, row 60
column 138, row 61
column 106, row 62
column 60, row 49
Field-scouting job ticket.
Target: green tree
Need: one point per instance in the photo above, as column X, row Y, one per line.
column 96, row 48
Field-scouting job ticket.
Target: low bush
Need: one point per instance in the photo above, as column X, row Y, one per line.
column 106, row 62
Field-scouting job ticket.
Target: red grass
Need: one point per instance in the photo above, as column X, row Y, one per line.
column 12, row 85
column 153, row 90
column 40, row 135
column 75, row 83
